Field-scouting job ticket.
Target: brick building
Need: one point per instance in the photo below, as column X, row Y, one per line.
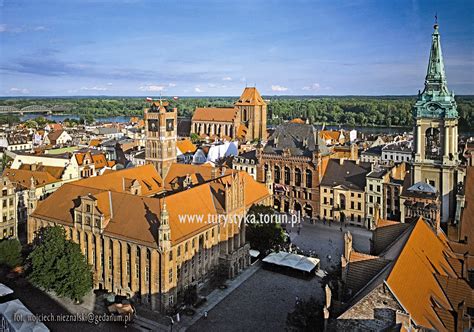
column 295, row 158
column 247, row 120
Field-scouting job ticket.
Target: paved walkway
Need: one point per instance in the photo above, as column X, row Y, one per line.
column 215, row 297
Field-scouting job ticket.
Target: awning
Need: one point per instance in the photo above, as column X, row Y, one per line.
column 294, row 261
column 16, row 316
column 4, row 290
column 254, row 253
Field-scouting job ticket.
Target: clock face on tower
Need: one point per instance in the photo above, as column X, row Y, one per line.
column 169, row 124
column 153, row 125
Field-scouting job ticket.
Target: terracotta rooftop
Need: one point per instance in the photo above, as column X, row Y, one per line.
column 223, row 114
column 250, row 97
column 413, row 277
column 55, row 172
column 23, row 177
column 186, row 146
column 149, row 179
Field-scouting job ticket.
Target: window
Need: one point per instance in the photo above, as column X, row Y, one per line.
column 352, row 205
column 186, row 245
column 171, row 255
column 88, row 208
column 179, row 251
column 359, row 206
column 171, row 300
column 309, row 178
column 371, row 187
column 298, row 178
column 170, row 275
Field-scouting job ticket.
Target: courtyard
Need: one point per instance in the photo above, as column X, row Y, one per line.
column 260, row 303
column 263, row 301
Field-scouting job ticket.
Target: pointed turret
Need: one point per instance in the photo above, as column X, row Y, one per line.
column 164, row 236
column 435, row 80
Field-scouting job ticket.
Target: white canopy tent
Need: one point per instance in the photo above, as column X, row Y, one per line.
column 4, row 290
column 294, row 261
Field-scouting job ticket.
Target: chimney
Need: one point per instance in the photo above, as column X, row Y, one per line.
column 33, row 167
column 341, row 161
column 357, row 161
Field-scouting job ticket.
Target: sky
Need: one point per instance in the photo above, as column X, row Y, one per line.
column 216, row 48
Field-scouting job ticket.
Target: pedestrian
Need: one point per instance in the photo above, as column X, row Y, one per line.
column 297, row 300
column 205, row 314
column 340, row 228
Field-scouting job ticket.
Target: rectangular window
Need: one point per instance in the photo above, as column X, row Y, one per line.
column 179, row 251
column 171, row 255
column 352, row 205
column 170, row 275
column 359, row 206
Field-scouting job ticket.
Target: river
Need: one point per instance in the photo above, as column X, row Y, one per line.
column 124, row 119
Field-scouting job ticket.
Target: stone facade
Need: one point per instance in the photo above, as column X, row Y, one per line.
column 8, row 212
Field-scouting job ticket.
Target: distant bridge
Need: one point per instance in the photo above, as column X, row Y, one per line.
column 32, row 109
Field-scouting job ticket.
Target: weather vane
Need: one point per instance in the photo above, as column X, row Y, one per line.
column 436, row 18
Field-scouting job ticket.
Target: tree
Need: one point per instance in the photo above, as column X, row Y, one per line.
column 10, row 252
column 195, row 138
column 262, row 231
column 307, row 316
column 58, row 265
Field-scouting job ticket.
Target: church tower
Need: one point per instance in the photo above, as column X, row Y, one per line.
column 161, row 135
column 436, row 132
column 253, row 114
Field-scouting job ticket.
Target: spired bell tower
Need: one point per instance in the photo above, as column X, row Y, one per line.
column 436, row 132
column 161, row 135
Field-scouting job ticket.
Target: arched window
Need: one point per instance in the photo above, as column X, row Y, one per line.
column 342, row 200
column 287, row 175
column 297, row 177
column 277, row 174
column 309, row 178
column 433, row 143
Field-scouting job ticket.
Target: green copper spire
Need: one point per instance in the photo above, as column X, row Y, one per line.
column 435, row 76
column 436, row 101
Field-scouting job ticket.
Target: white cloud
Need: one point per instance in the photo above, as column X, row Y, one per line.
column 93, row 88
column 3, row 28
column 227, row 78
column 109, row 84
column 40, row 28
column 18, row 90
column 279, row 88
column 171, row 85
column 312, row 87
column 211, row 85
column 198, row 89
column 152, row 88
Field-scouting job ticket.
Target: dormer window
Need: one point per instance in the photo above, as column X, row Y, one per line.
column 88, row 208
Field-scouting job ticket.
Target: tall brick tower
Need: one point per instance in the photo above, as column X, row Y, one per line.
column 253, row 114
column 161, row 134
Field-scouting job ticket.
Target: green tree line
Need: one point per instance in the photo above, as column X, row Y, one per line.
column 349, row 110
